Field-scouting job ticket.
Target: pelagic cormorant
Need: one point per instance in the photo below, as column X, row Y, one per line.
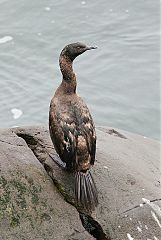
column 72, row 129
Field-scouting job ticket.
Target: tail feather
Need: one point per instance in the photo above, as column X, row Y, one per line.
column 78, row 188
column 94, row 189
column 91, row 191
column 85, row 191
column 82, row 195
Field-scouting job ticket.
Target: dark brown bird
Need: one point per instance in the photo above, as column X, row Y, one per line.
column 72, row 129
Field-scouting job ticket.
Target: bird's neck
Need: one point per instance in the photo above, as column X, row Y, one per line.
column 69, row 78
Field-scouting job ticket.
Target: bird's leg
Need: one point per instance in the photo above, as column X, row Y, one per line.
column 57, row 160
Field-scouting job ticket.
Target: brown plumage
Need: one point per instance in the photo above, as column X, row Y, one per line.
column 72, row 129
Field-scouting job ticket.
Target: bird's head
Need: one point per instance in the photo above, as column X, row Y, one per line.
column 75, row 49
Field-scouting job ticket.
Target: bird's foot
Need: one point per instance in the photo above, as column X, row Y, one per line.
column 57, row 160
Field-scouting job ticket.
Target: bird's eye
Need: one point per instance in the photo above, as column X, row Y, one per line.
column 78, row 47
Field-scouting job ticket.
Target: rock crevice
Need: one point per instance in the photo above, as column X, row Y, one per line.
column 126, row 173
column 37, row 147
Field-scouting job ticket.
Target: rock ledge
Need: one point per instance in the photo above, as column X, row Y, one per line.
column 36, row 196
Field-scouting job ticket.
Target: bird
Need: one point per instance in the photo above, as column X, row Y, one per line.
column 72, row 129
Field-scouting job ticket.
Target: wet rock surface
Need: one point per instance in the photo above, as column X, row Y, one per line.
column 36, row 195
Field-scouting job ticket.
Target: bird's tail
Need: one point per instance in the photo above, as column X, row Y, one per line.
column 85, row 191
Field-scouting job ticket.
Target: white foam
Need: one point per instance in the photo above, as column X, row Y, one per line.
column 155, row 218
column 129, row 236
column 141, row 205
column 6, row 39
column 16, row 113
column 154, row 206
column 146, row 227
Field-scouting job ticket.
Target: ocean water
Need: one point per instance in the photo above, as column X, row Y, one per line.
column 119, row 81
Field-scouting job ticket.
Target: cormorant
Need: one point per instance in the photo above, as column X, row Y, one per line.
column 72, row 129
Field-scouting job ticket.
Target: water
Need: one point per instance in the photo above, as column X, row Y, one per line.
column 119, row 81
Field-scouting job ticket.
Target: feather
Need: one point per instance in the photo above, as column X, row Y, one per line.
column 85, row 191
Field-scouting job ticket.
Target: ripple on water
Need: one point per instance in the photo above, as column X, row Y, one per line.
column 119, row 81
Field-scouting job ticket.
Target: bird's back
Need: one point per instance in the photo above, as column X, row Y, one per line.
column 72, row 131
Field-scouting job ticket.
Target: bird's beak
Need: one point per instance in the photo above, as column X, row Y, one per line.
column 89, row 48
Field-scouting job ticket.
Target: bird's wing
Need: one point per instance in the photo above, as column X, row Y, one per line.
column 85, row 121
column 64, row 136
column 65, row 127
column 90, row 135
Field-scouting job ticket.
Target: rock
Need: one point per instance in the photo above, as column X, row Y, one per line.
column 126, row 173
column 31, row 206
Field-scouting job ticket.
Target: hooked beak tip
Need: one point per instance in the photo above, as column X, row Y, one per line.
column 90, row 48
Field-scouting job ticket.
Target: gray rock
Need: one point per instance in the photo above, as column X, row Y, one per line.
column 128, row 176
column 31, row 206
column 126, row 173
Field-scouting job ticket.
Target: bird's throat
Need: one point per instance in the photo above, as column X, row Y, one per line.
column 69, row 77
